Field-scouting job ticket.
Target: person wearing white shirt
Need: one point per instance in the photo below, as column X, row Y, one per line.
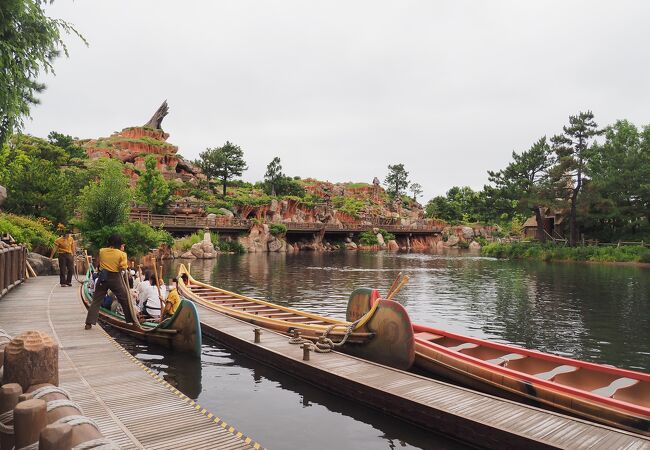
column 151, row 301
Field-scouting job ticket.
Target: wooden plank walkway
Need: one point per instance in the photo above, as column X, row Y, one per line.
column 131, row 405
column 476, row 418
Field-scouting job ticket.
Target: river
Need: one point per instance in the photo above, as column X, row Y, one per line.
column 598, row 313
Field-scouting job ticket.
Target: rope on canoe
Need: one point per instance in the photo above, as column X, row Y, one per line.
column 40, row 392
column 4, row 336
column 5, row 418
column 77, row 420
column 325, row 344
column 97, row 444
column 61, row 403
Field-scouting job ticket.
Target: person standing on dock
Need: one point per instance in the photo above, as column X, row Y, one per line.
column 112, row 260
column 65, row 245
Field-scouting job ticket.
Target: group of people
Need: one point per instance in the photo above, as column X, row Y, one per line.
column 148, row 293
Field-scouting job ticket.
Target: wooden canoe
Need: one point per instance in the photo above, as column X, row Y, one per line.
column 383, row 334
column 181, row 332
column 605, row 394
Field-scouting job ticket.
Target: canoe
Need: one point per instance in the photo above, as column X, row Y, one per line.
column 181, row 332
column 601, row 393
column 383, row 334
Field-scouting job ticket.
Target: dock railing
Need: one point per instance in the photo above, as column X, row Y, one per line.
column 13, row 263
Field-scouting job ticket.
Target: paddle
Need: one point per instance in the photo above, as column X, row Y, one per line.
column 398, row 288
column 162, row 302
column 395, row 281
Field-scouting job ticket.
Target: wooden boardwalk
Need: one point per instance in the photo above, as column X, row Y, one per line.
column 476, row 418
column 131, row 405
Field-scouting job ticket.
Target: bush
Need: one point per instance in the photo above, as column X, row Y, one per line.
column 231, row 246
column 32, row 233
column 277, row 229
column 139, row 238
column 370, row 238
column 185, row 243
column 645, row 256
column 554, row 252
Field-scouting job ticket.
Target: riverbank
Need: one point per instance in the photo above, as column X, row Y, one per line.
column 552, row 252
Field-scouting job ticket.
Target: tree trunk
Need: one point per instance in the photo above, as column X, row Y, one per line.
column 573, row 229
column 541, row 234
column 224, row 184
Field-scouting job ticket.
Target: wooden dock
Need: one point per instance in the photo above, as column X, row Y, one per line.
column 472, row 417
column 132, row 406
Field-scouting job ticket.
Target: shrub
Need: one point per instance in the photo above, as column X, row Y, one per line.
column 139, row 238
column 185, row 243
column 645, row 256
column 25, row 230
column 277, row 229
column 231, row 246
column 549, row 252
column 370, row 238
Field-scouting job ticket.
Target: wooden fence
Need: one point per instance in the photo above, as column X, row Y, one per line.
column 13, row 265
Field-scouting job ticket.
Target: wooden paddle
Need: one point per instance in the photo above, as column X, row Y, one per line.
column 398, row 288
column 395, row 282
column 162, row 302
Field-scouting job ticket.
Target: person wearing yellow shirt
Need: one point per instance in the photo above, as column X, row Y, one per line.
column 112, row 260
column 173, row 300
column 65, row 246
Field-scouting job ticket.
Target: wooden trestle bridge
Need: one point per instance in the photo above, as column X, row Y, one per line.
column 181, row 223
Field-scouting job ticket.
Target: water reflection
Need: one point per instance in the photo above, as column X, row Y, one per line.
column 598, row 313
column 276, row 409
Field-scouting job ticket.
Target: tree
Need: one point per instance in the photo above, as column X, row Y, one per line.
column 29, row 43
column 416, row 190
column 461, row 204
column 67, row 143
column 524, row 181
column 222, row 163
column 152, row 189
column 273, row 175
column 105, row 202
column 396, row 180
column 573, row 155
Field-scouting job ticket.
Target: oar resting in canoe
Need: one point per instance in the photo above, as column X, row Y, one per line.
column 180, row 332
column 382, row 334
column 605, row 394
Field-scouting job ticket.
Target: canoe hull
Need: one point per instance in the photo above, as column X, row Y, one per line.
column 483, row 378
column 181, row 333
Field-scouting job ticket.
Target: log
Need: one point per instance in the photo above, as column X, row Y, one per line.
column 9, row 394
column 31, row 358
column 56, row 437
column 158, row 116
column 30, row 417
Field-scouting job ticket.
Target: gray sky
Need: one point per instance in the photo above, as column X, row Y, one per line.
column 340, row 89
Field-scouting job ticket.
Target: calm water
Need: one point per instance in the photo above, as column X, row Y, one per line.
column 597, row 313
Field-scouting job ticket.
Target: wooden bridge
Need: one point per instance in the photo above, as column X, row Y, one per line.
column 182, row 223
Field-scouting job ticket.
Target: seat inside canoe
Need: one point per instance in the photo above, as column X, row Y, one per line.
column 639, row 394
column 488, row 354
column 585, row 379
column 532, row 365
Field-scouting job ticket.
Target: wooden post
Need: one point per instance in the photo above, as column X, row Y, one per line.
column 30, row 417
column 32, row 358
column 9, row 394
column 56, row 437
column 257, row 332
column 306, row 347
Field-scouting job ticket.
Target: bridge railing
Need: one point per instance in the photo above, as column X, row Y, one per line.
column 13, row 263
column 222, row 222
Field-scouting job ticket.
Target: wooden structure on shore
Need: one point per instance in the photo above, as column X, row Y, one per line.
column 183, row 223
column 13, row 266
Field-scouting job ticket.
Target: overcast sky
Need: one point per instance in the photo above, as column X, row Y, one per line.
column 340, row 89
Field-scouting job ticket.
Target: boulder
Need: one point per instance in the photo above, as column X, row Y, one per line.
column 276, row 245
column 31, row 358
column 43, row 265
column 380, row 239
column 226, row 212
column 474, row 245
column 350, row 245
column 188, row 255
column 3, row 194
column 452, row 241
column 468, row 233
column 440, row 245
column 392, row 245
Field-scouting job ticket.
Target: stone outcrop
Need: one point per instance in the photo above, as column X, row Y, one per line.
column 43, row 265
column 31, row 358
column 474, row 245
column 3, row 194
column 392, row 245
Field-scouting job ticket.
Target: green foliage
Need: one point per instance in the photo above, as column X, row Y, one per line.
column 185, row 243
column 67, row 143
column 273, row 175
column 644, row 256
column 348, row 205
column 26, row 231
column 396, row 180
column 370, row 238
column 222, row 163
column 416, row 190
column 553, row 252
column 277, row 229
column 460, row 205
column 29, row 43
column 105, row 203
column 139, row 238
column 152, row 189
column 40, row 178
column 231, row 247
